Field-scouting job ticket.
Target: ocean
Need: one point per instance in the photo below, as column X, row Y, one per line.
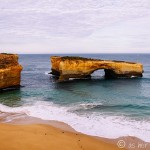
column 106, row 108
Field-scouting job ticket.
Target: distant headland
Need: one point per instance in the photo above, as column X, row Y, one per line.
column 79, row 67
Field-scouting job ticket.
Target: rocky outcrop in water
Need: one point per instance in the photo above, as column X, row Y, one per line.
column 10, row 71
column 79, row 67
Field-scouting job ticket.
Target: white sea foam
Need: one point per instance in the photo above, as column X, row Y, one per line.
column 47, row 72
column 97, row 125
column 89, row 105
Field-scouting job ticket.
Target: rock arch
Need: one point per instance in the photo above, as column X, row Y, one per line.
column 79, row 67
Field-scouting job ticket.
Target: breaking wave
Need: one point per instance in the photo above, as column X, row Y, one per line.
column 91, row 124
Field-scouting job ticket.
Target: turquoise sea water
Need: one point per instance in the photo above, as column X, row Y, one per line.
column 90, row 106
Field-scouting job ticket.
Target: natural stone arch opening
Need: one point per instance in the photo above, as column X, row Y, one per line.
column 105, row 73
column 98, row 73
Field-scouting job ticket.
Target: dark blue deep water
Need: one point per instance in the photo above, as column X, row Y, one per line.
column 91, row 106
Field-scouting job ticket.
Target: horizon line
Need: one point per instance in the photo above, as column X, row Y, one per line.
column 69, row 53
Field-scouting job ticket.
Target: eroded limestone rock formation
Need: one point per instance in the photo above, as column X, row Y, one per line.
column 10, row 71
column 78, row 67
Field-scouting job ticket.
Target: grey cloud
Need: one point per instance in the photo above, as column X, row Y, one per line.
column 39, row 20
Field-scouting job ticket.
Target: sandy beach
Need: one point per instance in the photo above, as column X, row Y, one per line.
column 24, row 133
column 28, row 133
column 44, row 137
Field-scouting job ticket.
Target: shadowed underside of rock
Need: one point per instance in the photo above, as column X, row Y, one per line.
column 10, row 71
column 79, row 67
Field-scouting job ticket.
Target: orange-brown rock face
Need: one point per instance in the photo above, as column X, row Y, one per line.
column 78, row 67
column 10, row 71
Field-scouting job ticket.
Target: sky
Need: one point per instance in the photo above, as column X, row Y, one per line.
column 75, row 26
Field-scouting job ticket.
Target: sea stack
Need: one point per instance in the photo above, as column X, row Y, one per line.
column 79, row 67
column 10, row 71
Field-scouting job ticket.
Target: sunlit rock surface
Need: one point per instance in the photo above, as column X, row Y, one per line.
column 78, row 67
column 10, row 71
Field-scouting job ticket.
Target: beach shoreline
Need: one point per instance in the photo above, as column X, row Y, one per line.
column 23, row 123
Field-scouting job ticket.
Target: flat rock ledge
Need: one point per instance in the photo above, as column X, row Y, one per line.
column 10, row 71
column 78, row 67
